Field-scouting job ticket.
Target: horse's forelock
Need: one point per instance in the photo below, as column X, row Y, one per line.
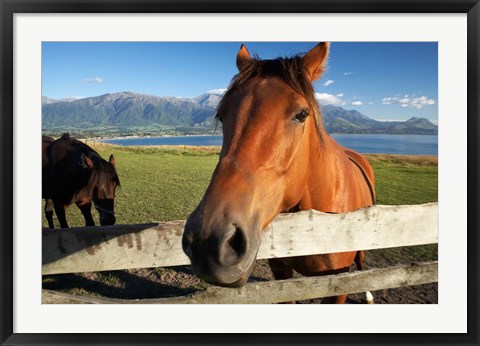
column 102, row 169
column 291, row 70
column 103, row 172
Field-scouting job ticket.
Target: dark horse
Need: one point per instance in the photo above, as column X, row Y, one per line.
column 73, row 172
column 276, row 157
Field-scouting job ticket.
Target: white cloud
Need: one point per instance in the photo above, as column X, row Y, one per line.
column 328, row 99
column 409, row 101
column 340, row 95
column 94, row 80
column 357, row 103
column 217, row 91
column 328, row 82
column 347, row 73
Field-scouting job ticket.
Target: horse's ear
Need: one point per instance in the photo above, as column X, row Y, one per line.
column 243, row 57
column 87, row 163
column 112, row 160
column 314, row 60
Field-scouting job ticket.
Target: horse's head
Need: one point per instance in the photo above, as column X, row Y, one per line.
column 103, row 182
column 269, row 117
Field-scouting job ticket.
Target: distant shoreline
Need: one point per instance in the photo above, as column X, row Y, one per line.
column 107, row 138
column 362, row 143
column 218, row 133
column 216, row 150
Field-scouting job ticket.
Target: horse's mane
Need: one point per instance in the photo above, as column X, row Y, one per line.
column 291, row 70
column 103, row 171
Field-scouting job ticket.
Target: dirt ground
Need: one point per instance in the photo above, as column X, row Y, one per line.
column 179, row 281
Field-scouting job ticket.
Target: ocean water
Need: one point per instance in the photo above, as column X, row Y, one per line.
column 366, row 144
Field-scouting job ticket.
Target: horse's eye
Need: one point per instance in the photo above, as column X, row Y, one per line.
column 301, row 116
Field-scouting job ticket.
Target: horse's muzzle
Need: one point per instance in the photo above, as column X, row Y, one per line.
column 105, row 208
column 223, row 254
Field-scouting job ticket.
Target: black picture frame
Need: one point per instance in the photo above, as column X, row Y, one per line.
column 9, row 7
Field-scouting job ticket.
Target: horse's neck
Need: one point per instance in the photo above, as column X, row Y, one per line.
column 327, row 188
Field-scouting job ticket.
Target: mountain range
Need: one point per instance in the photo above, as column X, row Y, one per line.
column 127, row 109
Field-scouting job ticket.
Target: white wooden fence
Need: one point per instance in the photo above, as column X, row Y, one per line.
column 90, row 249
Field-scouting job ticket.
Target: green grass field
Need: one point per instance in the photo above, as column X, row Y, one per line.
column 161, row 184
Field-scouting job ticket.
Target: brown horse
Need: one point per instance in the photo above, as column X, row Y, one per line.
column 276, row 157
column 46, row 141
column 75, row 173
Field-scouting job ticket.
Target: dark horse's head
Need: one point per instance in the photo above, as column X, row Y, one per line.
column 270, row 122
column 102, row 183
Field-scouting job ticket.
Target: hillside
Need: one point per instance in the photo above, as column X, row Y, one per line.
column 129, row 111
column 340, row 120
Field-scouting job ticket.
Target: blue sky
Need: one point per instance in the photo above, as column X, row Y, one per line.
column 383, row 80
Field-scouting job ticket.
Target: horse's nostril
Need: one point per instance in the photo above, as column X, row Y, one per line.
column 238, row 241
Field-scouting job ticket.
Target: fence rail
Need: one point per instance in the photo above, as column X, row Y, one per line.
column 90, row 249
column 281, row 290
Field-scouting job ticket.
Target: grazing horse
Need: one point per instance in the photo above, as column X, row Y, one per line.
column 46, row 141
column 276, row 157
column 75, row 173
